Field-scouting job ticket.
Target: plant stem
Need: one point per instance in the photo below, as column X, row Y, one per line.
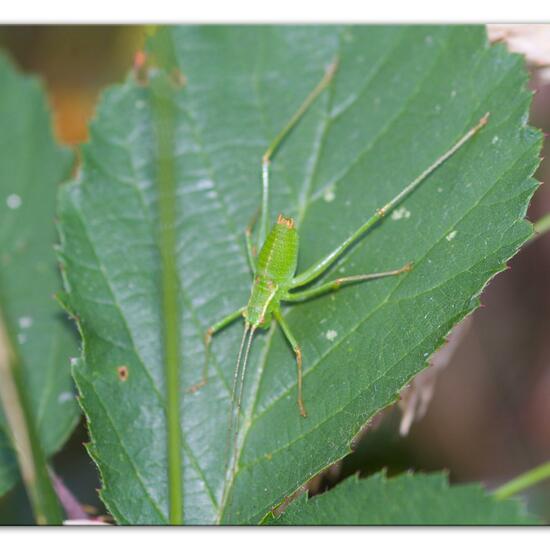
column 524, row 481
column 30, row 456
column 541, row 226
column 164, row 115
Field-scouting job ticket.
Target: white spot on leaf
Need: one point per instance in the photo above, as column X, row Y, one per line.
column 64, row 397
column 25, row 322
column 329, row 194
column 14, row 201
column 451, row 235
column 331, row 335
column 400, row 213
column 205, row 184
column 494, row 140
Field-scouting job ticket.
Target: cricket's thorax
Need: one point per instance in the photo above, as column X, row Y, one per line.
column 276, row 266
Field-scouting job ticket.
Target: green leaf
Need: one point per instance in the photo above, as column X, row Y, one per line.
column 401, row 97
column 32, row 164
column 418, row 499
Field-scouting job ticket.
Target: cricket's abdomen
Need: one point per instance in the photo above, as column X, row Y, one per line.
column 262, row 299
column 276, row 266
column 278, row 257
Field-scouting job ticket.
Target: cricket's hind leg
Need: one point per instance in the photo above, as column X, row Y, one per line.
column 337, row 284
column 321, row 266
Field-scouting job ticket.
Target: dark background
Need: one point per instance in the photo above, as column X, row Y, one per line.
column 489, row 418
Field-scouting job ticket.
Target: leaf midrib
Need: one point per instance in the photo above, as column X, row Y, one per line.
column 115, row 303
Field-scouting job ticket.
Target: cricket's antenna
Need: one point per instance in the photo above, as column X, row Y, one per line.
column 235, row 410
column 240, row 398
column 231, row 419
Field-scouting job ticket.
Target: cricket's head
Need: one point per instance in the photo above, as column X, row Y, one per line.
column 288, row 222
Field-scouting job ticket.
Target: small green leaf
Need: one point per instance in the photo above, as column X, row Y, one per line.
column 32, row 164
column 418, row 499
column 401, row 97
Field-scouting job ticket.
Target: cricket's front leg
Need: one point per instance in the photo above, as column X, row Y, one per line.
column 251, row 249
column 274, row 146
column 298, row 352
column 216, row 327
